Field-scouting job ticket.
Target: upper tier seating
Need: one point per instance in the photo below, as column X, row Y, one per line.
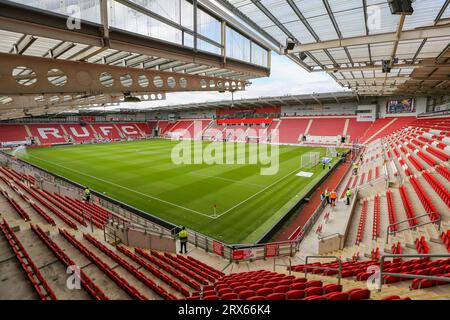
column 384, row 127
column 357, row 129
column 107, row 131
column 129, row 129
column 290, row 129
column 12, row 133
column 48, row 133
column 79, row 133
column 327, row 127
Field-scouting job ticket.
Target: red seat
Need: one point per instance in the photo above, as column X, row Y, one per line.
column 436, row 270
column 271, row 284
column 391, row 297
column 228, row 296
column 360, row 294
column 281, row 289
column 240, row 289
column 256, row 298
column 332, row 288
column 298, row 286
column 314, row 291
column 310, row 298
column 209, row 293
column 337, row 296
column 213, row 297
column 422, row 283
column 295, row 294
column 299, row 280
column 285, row 282
column 246, row 294
column 313, row 283
column 235, row 284
column 347, row 273
column 276, row 296
column 255, row 286
column 264, row 291
column 223, row 291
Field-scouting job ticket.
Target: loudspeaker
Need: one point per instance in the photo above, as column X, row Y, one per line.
column 290, row 44
column 401, row 7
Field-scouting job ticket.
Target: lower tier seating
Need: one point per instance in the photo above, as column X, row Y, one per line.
column 34, row 275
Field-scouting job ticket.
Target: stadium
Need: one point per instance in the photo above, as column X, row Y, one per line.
column 110, row 190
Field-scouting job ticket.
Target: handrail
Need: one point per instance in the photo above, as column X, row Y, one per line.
column 370, row 183
column 328, row 236
column 437, row 221
column 338, row 259
column 407, row 275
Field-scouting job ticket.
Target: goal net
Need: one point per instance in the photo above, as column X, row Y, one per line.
column 310, row 159
column 252, row 139
column 331, row 152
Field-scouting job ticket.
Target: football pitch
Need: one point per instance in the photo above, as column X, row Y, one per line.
column 232, row 203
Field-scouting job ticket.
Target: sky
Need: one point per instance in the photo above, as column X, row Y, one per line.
column 286, row 78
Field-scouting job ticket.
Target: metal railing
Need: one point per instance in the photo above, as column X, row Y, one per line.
column 339, row 269
column 407, row 275
column 388, row 232
column 372, row 182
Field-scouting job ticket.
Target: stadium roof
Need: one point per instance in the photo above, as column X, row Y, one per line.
column 349, row 39
column 56, row 55
column 303, row 99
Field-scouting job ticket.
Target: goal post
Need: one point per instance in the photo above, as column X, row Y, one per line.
column 309, row 160
column 252, row 139
column 331, row 152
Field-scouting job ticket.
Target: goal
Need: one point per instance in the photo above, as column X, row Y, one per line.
column 310, row 159
column 331, row 152
column 251, row 139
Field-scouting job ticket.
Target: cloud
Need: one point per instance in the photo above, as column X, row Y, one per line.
column 287, row 78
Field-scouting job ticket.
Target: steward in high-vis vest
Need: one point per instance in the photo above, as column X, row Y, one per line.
column 87, row 194
column 183, row 236
column 327, row 196
column 348, row 194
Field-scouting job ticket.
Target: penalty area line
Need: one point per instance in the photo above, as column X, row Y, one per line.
column 257, row 193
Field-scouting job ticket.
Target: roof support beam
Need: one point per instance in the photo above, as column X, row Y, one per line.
column 379, row 67
column 416, row 34
column 23, row 44
column 251, row 23
column 17, row 18
column 93, row 79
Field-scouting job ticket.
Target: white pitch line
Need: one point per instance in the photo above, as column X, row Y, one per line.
column 262, row 190
column 118, row 185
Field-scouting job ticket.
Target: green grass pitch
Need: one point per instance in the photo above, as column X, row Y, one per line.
column 143, row 175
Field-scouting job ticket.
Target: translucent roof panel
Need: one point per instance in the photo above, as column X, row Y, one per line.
column 86, row 10
column 299, row 30
column 359, row 53
column 434, row 47
column 380, row 19
column 425, row 12
column 350, row 22
column 339, row 55
column 323, row 27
